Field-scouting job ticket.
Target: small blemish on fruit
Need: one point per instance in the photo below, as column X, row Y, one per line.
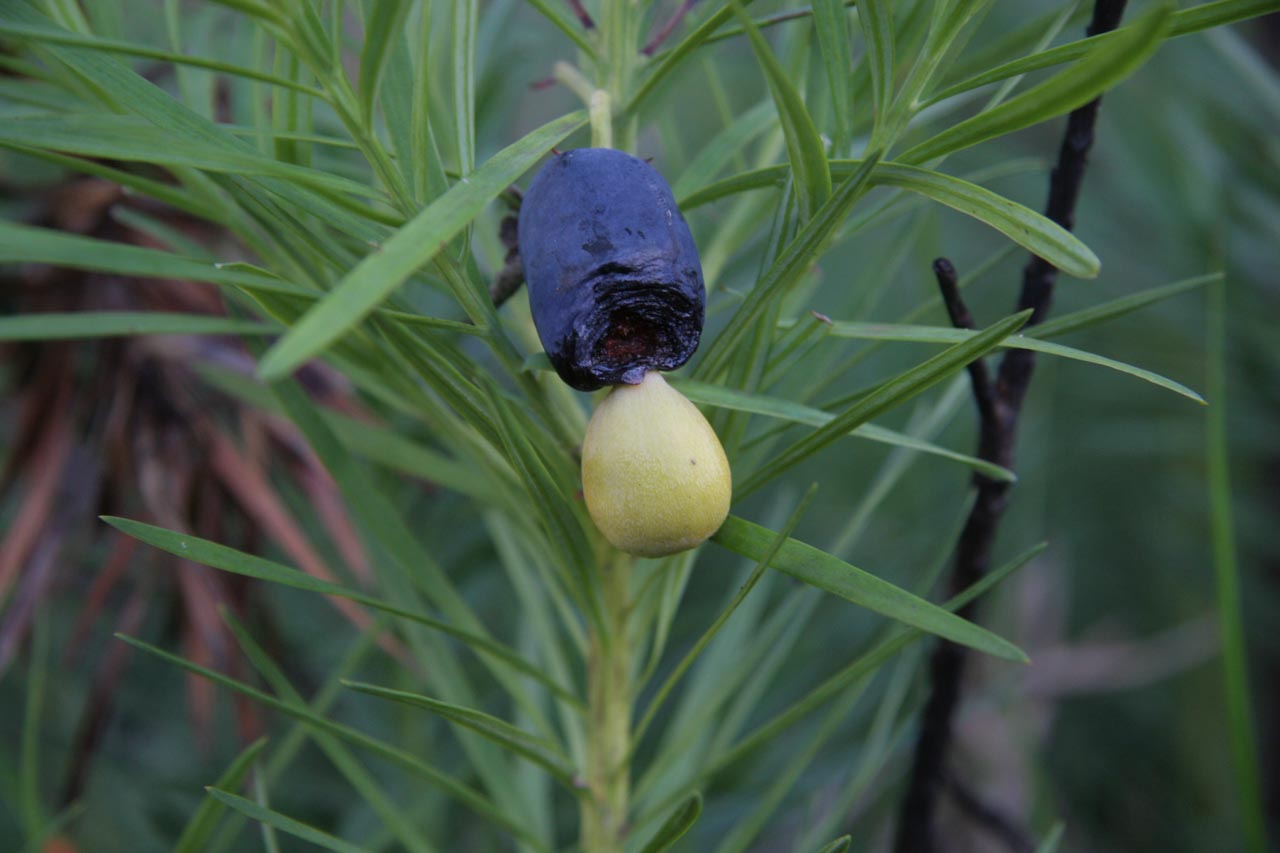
column 693, row 461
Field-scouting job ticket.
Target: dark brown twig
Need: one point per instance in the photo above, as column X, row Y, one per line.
column 583, row 16
column 999, row 408
column 979, row 378
column 674, row 21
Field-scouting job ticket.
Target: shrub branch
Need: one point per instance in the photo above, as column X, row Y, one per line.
column 998, row 410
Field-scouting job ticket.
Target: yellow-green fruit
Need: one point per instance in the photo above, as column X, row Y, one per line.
column 654, row 475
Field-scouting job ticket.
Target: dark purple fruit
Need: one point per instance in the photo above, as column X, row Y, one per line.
column 614, row 279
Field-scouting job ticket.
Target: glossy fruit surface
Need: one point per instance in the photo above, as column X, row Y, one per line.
column 614, row 280
column 654, row 474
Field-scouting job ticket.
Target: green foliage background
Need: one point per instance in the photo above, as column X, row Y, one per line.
column 1120, row 727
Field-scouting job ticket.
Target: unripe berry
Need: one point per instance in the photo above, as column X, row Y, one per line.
column 654, row 474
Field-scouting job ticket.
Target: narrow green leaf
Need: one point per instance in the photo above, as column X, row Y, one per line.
column 722, row 148
column 1118, row 307
column 1226, row 569
column 104, row 324
column 1034, row 232
column 840, row 845
column 564, row 25
column 464, row 71
column 687, row 661
column 195, row 837
column 134, row 139
column 680, row 822
column 941, row 334
column 774, row 407
column 472, row 798
column 420, row 240
column 27, row 244
column 1053, row 840
column 895, row 639
column 284, row 823
column 226, row 559
column 538, row 750
column 1104, row 67
column 29, row 808
column 680, row 53
column 1185, row 21
column 392, row 815
column 382, row 27
column 901, row 387
column 791, row 263
column 57, row 35
column 832, row 26
column 805, row 149
column 36, row 843
column 837, row 577
column 270, row 842
column 876, row 19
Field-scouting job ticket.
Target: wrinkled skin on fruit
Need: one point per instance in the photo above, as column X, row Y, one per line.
column 614, row 280
column 654, row 475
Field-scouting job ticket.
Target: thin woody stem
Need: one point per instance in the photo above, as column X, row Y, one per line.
column 999, row 408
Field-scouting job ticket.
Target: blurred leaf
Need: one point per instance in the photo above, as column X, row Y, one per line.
column 902, row 387
column 840, row 845
column 30, row 808
column 712, row 158
column 862, row 588
column 200, row 827
column 894, row 639
column 370, row 790
column 805, row 148
column 542, row 752
column 676, row 55
column 762, row 563
column 130, row 138
column 450, row 785
column 876, row 19
column 464, row 68
column 25, row 244
column 1118, row 307
column 283, row 823
column 832, row 27
column 1035, row 232
column 1184, row 22
column 230, row 560
column 941, row 334
column 1053, row 840
column 680, row 821
column 56, row 35
column 378, row 275
column 383, row 26
column 1104, row 67
column 773, row 407
column 45, row 839
column 101, row 324
column 564, row 25
column 789, row 266
column 1226, row 569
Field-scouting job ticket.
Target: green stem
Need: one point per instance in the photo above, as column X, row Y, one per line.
column 610, row 685
column 608, row 777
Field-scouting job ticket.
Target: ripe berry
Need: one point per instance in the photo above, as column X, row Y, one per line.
column 614, row 280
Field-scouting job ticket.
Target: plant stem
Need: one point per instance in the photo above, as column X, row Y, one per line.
column 610, row 688
column 609, row 685
column 999, row 406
